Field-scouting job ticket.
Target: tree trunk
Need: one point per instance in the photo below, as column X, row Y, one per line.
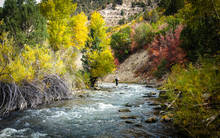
column 93, row 81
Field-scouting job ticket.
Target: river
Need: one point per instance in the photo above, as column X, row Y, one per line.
column 92, row 114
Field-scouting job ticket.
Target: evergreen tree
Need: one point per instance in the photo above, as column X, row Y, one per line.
column 1, row 12
column 120, row 2
column 201, row 34
column 23, row 21
column 171, row 6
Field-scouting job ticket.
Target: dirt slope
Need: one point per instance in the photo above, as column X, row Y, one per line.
column 126, row 71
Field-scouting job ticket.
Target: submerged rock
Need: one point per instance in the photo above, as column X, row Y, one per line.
column 129, row 122
column 84, row 95
column 151, row 94
column 124, row 110
column 138, row 125
column 128, row 117
column 154, row 103
column 151, row 120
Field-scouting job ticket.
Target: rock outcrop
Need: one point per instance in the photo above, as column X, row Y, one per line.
column 113, row 15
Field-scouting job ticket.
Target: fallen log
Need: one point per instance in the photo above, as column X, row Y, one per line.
column 171, row 104
column 212, row 119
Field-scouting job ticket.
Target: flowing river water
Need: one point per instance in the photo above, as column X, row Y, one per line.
column 92, row 114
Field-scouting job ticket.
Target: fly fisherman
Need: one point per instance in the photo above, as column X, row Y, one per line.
column 116, row 80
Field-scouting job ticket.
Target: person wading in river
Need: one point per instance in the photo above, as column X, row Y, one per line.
column 116, row 81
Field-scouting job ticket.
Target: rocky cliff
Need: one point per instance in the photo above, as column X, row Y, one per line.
column 113, row 15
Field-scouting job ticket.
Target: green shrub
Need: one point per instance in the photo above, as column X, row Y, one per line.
column 151, row 16
column 173, row 22
column 122, row 21
column 113, row 6
column 122, row 13
column 121, row 44
column 146, row 16
column 139, row 4
column 133, row 4
column 24, row 22
column 143, row 35
column 154, row 16
column 82, row 79
column 200, row 35
column 201, row 40
column 171, row 6
column 161, row 69
column 120, row 2
column 199, row 101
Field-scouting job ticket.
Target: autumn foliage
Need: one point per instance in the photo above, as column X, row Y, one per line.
column 166, row 48
column 97, row 58
column 46, row 69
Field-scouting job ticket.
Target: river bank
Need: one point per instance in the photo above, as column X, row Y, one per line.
column 27, row 95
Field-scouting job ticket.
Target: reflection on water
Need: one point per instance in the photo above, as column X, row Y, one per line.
column 94, row 115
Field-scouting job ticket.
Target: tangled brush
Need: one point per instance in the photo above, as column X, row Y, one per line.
column 32, row 94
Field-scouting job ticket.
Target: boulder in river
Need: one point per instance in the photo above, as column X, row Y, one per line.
column 81, row 96
column 124, row 110
column 158, row 107
column 151, row 120
column 162, row 112
column 154, row 103
column 97, row 88
column 165, row 118
column 151, row 94
column 150, row 86
column 162, row 92
column 163, row 95
column 128, row 117
column 128, row 105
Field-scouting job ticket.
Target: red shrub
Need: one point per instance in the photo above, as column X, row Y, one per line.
column 116, row 62
column 166, row 48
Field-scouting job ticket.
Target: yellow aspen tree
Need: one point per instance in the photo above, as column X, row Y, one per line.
column 97, row 56
column 59, row 15
column 79, row 30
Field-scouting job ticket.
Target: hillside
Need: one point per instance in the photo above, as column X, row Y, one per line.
column 126, row 72
column 115, row 11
